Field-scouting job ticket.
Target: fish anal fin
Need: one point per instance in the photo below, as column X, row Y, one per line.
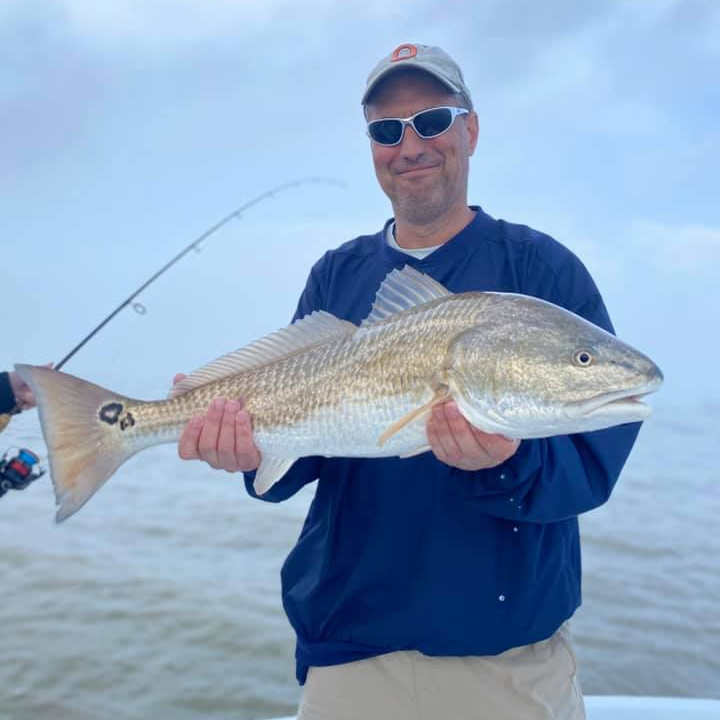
column 413, row 453
column 270, row 471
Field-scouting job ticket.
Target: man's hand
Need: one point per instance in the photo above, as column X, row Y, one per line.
column 223, row 437
column 21, row 390
column 456, row 442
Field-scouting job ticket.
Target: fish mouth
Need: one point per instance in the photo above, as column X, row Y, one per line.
column 622, row 402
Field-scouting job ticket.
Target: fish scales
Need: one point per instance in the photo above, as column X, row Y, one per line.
column 514, row 364
column 337, row 398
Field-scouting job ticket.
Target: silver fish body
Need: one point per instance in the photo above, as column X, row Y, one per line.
column 514, row 364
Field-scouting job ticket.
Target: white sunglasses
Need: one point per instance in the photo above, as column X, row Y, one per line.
column 427, row 124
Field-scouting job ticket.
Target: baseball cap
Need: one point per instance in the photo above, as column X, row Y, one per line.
column 430, row 59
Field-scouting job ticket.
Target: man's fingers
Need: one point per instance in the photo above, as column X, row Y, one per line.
column 450, row 452
column 455, row 442
column 25, row 394
column 223, row 438
column 434, row 440
column 499, row 448
column 21, row 390
column 188, row 445
column 226, row 437
column 462, row 433
column 208, row 442
column 178, row 377
column 247, row 453
column 478, row 447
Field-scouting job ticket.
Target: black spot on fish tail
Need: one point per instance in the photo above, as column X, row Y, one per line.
column 111, row 412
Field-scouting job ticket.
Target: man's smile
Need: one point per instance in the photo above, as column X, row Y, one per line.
column 420, row 170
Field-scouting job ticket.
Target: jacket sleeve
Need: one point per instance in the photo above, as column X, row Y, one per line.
column 553, row 479
column 7, row 399
column 307, row 469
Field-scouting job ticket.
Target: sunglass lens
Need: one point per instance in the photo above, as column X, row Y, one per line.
column 385, row 132
column 433, row 122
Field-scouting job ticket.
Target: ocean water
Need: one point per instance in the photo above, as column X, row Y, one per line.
column 161, row 598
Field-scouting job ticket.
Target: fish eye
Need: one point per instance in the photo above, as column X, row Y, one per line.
column 583, row 358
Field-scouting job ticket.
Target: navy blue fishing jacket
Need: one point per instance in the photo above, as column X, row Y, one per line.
column 414, row 554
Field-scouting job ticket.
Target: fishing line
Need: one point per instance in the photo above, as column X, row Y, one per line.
column 194, row 245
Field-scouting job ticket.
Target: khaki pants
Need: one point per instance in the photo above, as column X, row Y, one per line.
column 524, row 683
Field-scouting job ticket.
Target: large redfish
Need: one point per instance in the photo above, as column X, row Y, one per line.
column 514, row 364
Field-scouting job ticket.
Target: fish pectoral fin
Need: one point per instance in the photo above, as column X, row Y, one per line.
column 270, row 471
column 442, row 393
column 413, row 453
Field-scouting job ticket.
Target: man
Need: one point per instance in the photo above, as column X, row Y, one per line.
column 437, row 586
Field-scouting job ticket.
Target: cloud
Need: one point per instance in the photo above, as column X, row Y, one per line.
column 676, row 250
column 643, row 252
column 151, row 27
column 154, row 21
column 606, row 67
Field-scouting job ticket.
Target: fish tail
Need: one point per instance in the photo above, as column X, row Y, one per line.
column 83, row 427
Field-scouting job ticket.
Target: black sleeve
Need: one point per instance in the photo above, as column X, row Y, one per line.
column 7, row 399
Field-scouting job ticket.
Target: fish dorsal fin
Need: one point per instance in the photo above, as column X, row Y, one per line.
column 402, row 290
column 315, row 329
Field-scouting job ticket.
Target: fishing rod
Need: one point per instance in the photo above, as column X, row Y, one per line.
column 194, row 245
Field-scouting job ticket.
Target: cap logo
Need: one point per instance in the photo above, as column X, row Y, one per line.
column 403, row 52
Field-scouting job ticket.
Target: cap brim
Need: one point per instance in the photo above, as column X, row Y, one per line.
column 408, row 64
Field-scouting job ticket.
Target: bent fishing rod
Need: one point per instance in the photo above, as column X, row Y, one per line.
column 194, row 245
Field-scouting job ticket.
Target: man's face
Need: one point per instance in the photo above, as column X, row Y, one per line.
column 424, row 179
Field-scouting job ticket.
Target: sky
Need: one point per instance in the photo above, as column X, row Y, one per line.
column 127, row 129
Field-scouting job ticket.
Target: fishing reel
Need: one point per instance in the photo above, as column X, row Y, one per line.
column 19, row 469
